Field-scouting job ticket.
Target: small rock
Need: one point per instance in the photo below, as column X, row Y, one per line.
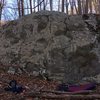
column 11, row 70
column 35, row 73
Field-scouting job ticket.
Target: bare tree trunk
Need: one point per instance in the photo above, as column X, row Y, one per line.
column 22, row 6
column 34, row 4
column 90, row 5
column 19, row 8
column 59, row 5
column 30, row 6
column 95, row 6
column 44, row 5
column 63, row 5
column 67, row 6
column 27, row 7
column 99, row 6
column 86, row 7
column 2, row 3
column 76, row 8
column 72, row 7
column 83, row 6
column 79, row 7
column 38, row 5
column 51, row 5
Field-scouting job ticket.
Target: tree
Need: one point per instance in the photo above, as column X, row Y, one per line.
column 51, row 4
column 30, row 6
column 79, row 7
column 67, row 4
column 86, row 7
column 63, row 5
column 2, row 4
column 99, row 6
column 72, row 4
column 90, row 5
column 59, row 5
column 22, row 8
column 19, row 11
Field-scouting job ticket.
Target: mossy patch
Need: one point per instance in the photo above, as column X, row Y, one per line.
column 82, row 63
column 8, row 29
column 28, row 27
column 34, row 52
column 9, row 34
column 41, row 26
column 57, row 53
column 60, row 32
column 23, row 33
column 13, row 57
column 14, row 41
column 83, row 56
column 42, row 40
column 42, row 22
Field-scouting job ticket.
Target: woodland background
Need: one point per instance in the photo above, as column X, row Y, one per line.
column 13, row 9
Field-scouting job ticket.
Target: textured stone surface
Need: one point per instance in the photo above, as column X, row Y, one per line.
column 66, row 46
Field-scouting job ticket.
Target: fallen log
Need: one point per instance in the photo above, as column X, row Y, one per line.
column 60, row 92
column 51, row 96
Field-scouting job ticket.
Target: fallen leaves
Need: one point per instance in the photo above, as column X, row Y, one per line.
column 33, row 86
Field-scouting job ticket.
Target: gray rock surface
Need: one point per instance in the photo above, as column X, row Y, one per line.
column 11, row 70
column 66, row 46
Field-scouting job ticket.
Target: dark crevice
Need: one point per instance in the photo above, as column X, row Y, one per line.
column 66, row 31
column 85, row 17
column 90, row 27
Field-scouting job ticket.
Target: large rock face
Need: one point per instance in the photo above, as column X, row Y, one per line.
column 66, row 46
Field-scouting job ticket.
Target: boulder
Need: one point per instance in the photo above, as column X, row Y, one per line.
column 66, row 46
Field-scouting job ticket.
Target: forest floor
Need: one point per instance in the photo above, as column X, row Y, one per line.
column 32, row 87
column 30, row 83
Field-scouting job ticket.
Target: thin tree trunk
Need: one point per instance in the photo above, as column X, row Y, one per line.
column 1, row 7
column 44, row 5
column 72, row 9
column 86, row 7
column 19, row 8
column 79, row 7
column 2, row 3
column 83, row 6
column 34, row 4
column 0, row 13
column 67, row 6
column 38, row 5
column 59, row 5
column 27, row 7
column 99, row 6
column 22, row 7
column 94, row 5
column 90, row 5
column 63, row 5
column 30, row 6
column 51, row 5
column 76, row 8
